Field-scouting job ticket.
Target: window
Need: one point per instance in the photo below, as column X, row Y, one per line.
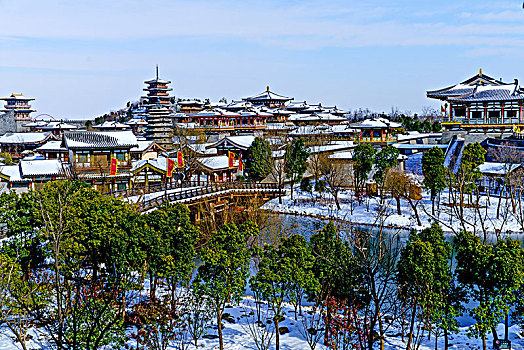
column 83, row 158
column 120, row 156
column 120, row 186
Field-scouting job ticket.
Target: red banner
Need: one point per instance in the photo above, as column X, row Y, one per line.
column 240, row 165
column 114, row 167
column 179, row 159
column 231, row 157
column 170, row 167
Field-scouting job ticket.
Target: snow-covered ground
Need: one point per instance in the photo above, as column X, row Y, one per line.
column 365, row 213
column 237, row 335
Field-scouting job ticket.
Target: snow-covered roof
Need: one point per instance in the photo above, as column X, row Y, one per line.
column 19, row 96
column 497, row 168
column 320, row 117
column 202, row 148
column 297, row 105
column 143, row 145
column 342, row 128
column 190, row 102
column 12, row 171
column 51, row 145
column 24, row 137
column 267, row 96
column 322, row 129
column 333, row 146
column 58, row 126
column 34, row 156
column 46, row 167
column 100, row 139
column 159, row 163
column 136, row 122
column 376, row 123
column 111, row 125
column 35, row 124
column 215, row 163
column 238, row 141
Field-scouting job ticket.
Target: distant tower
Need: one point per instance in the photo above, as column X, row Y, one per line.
column 159, row 128
column 20, row 106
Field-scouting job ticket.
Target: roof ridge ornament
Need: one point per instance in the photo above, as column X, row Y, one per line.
column 480, row 71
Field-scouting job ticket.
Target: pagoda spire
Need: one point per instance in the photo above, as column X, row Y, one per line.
column 157, row 72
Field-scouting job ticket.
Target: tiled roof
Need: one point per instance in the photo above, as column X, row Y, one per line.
column 108, row 139
column 510, row 92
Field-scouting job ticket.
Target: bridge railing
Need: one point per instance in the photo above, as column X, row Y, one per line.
column 195, row 191
column 141, row 190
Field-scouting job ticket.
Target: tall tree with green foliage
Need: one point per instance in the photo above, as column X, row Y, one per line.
column 225, row 268
column 260, row 159
column 88, row 308
column 385, row 159
column 492, row 274
column 172, row 239
column 434, row 173
column 275, row 279
column 337, row 271
column 296, row 161
column 473, row 155
column 363, row 158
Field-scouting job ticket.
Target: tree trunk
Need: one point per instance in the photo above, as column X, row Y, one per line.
column 506, row 326
column 399, row 211
column 411, row 326
column 498, row 205
column 494, row 331
column 219, row 325
column 277, row 335
column 292, row 183
column 381, row 330
column 446, row 341
column 484, row 346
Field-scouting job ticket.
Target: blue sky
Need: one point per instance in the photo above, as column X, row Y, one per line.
column 82, row 58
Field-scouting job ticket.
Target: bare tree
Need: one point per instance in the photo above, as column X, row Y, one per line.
column 337, row 177
column 405, row 186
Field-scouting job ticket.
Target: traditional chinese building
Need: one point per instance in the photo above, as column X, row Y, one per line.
column 219, row 121
column 158, row 104
column 19, row 104
column 268, row 99
column 90, row 156
column 481, row 103
column 19, row 142
column 379, row 131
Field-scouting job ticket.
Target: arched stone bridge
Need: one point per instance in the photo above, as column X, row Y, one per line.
column 213, row 197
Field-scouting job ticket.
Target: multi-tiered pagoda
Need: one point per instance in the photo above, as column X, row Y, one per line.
column 158, row 103
column 20, row 106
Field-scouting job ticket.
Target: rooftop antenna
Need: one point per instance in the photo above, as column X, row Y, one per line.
column 157, row 72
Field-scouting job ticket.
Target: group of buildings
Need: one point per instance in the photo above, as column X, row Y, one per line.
column 114, row 155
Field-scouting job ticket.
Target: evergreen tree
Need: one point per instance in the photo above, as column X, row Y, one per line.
column 260, row 160
column 283, row 273
column 492, row 274
column 424, row 275
column 225, row 268
column 385, row 159
column 296, row 161
column 363, row 158
column 434, row 173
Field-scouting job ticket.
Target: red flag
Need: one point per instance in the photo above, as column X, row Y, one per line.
column 170, row 167
column 442, row 109
column 240, row 165
column 114, row 167
column 179, row 159
column 231, row 157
